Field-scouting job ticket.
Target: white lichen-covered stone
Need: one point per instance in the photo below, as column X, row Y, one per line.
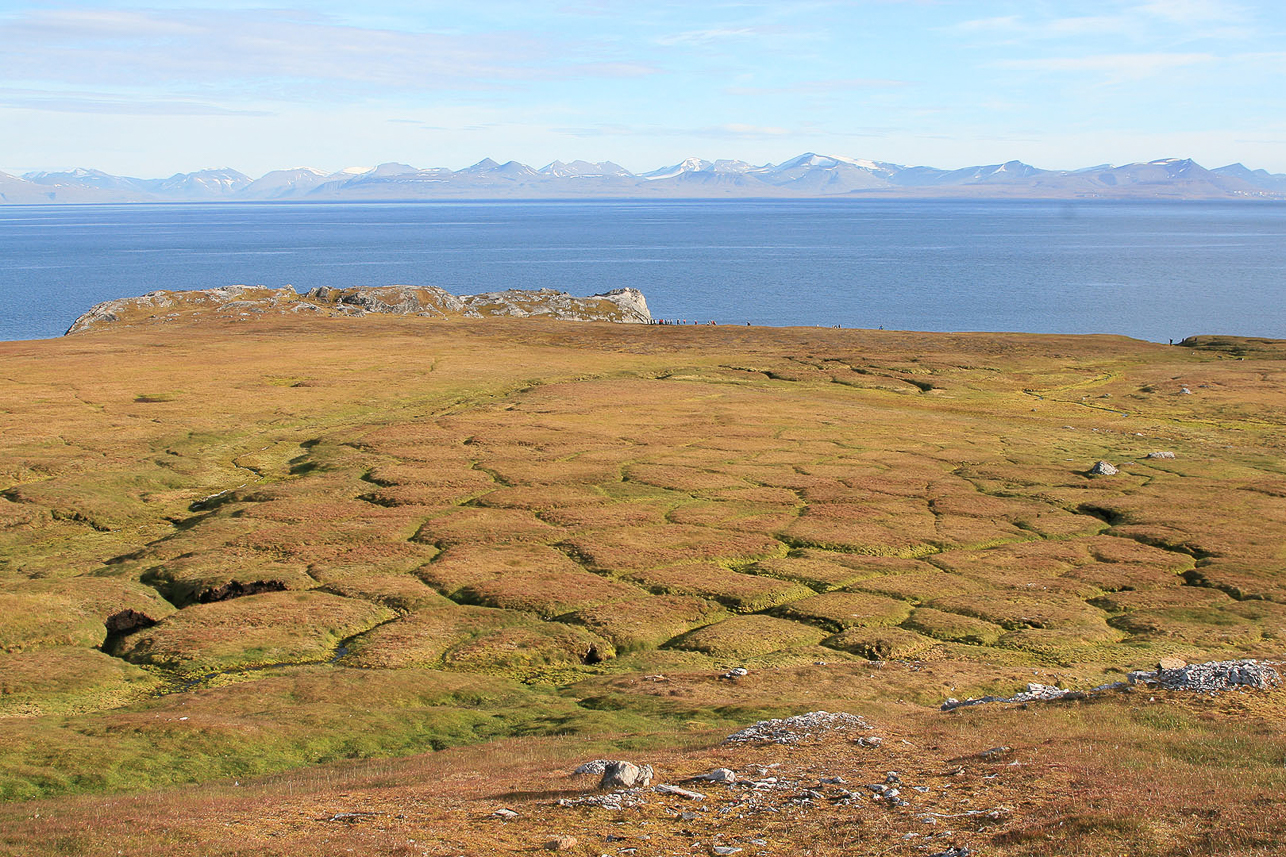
column 625, row 775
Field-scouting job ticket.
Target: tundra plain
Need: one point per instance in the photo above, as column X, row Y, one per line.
column 300, row 586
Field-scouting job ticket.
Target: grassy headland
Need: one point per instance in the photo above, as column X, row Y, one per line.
column 231, row 548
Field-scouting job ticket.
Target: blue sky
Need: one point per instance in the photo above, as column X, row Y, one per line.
column 160, row 87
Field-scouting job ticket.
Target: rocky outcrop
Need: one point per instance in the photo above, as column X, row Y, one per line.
column 627, row 306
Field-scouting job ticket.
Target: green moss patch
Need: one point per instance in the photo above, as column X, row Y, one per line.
column 646, row 623
column 38, row 620
column 67, row 680
column 271, row 628
column 530, row 651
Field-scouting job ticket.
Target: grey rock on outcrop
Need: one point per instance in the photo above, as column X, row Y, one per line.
column 1103, row 468
column 625, row 775
column 792, row 730
column 1158, row 455
column 394, row 300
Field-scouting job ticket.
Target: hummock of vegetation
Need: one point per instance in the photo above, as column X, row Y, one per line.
column 291, row 548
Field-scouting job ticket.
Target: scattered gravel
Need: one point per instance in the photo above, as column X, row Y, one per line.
column 792, row 730
column 1211, row 677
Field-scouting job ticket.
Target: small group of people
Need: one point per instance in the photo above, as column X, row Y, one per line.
column 682, row 321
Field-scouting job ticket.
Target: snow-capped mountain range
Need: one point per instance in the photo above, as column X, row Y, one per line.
column 809, row 175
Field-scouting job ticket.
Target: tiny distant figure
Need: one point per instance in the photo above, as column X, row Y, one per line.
column 747, row 324
column 881, row 327
column 1172, row 342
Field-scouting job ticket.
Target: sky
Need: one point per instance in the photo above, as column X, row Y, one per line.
column 157, row 87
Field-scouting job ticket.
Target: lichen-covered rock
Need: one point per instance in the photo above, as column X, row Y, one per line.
column 1103, row 468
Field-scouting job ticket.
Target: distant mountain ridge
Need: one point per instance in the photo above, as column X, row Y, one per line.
column 810, row 175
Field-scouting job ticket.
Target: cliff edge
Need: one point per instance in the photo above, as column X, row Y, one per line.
column 623, row 306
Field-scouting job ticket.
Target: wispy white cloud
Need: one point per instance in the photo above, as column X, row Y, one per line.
column 219, row 48
column 735, row 129
column 833, row 85
column 1116, row 67
column 1190, row 18
column 704, row 37
column 1196, row 11
column 114, row 104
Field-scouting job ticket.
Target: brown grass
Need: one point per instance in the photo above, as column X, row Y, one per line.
column 744, row 593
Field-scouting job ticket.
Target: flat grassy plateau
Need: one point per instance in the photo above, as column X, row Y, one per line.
column 310, row 586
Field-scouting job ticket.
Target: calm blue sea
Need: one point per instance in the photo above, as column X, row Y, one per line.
column 1148, row 270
